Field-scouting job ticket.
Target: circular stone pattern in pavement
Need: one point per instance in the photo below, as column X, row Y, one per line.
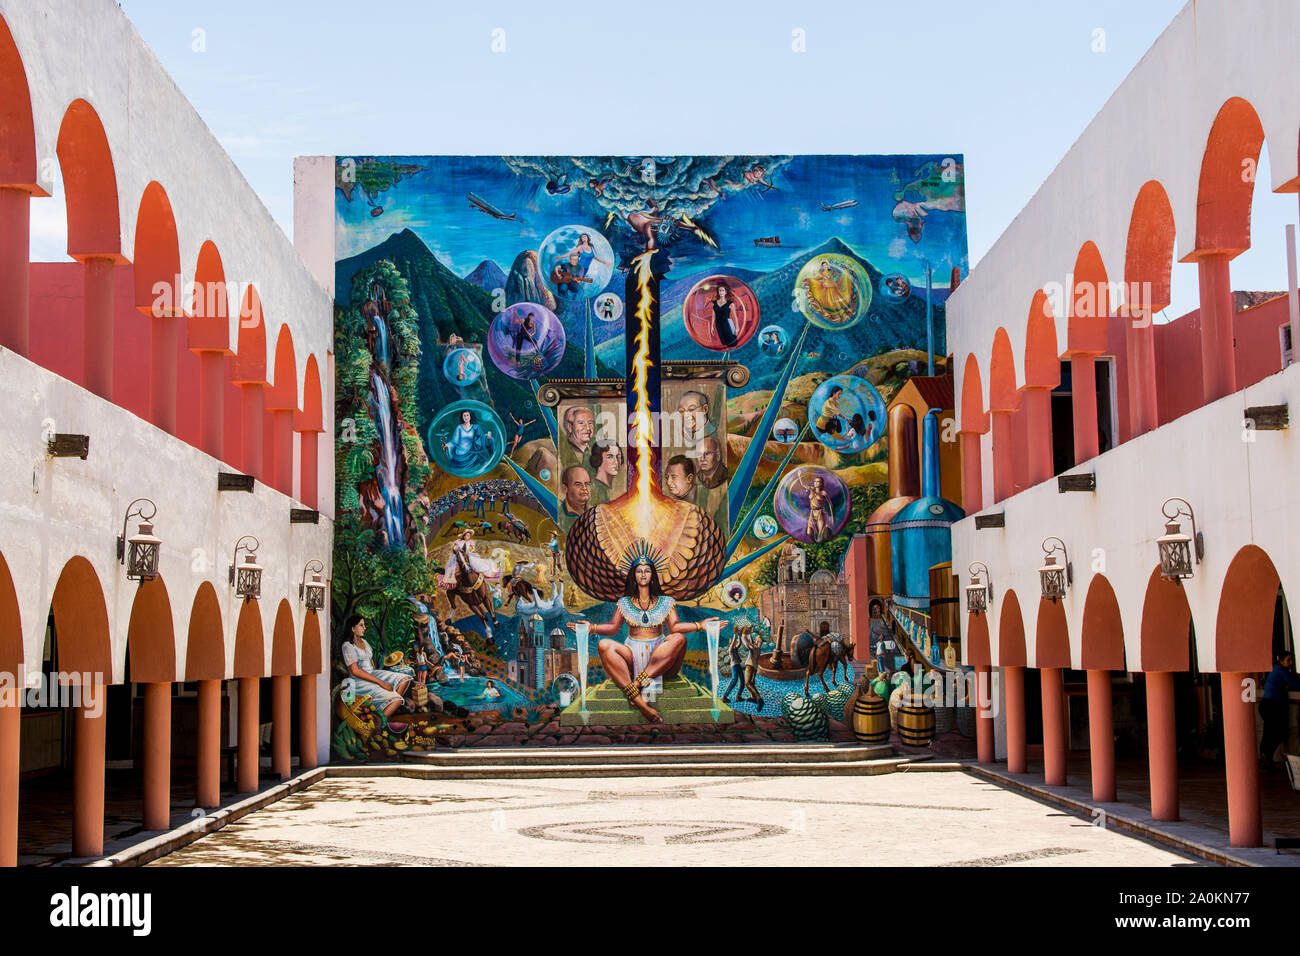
column 652, row 832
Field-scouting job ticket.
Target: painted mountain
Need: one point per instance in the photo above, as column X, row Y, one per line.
column 446, row 304
column 888, row 325
column 488, row 276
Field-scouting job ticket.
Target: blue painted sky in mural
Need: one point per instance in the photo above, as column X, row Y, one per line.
column 433, row 203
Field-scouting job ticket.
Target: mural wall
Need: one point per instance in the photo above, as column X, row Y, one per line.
column 641, row 447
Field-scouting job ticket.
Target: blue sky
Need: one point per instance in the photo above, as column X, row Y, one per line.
column 1008, row 84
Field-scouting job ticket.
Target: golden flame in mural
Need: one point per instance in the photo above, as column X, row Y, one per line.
column 641, row 421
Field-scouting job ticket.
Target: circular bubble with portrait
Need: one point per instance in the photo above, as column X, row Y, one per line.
column 608, row 307
column 847, row 413
column 576, row 263
column 895, row 287
column 812, row 504
column 773, row 340
column 832, row 291
column 466, row 439
column 721, row 313
column 526, row 340
column 734, row 593
column 462, row 367
column 764, row 526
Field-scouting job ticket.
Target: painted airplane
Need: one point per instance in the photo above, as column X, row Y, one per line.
column 482, row 205
column 842, row 204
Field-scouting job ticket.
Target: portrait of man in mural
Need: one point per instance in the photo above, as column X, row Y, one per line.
column 711, row 474
column 575, row 491
column 694, row 411
column 680, row 478
column 579, row 431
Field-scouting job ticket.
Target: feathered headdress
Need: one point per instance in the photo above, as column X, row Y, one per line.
column 643, row 552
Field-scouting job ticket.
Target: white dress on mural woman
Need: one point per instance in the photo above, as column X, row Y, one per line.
column 358, row 651
column 464, row 544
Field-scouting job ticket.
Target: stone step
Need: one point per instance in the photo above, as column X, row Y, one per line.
column 663, row 755
column 680, row 687
column 612, row 769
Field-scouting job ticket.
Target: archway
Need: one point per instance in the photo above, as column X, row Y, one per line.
column 11, row 665
column 208, row 338
column 309, row 423
column 282, row 404
column 17, row 184
column 1166, row 651
column 1003, row 403
column 205, row 723
column 158, row 296
column 250, row 667
column 1052, row 660
column 1110, row 699
column 284, row 667
column 94, row 234
column 1024, row 718
column 1042, row 375
column 313, row 658
column 979, row 657
column 151, row 670
column 974, row 423
column 248, row 372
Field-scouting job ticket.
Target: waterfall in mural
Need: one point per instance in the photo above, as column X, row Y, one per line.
column 381, row 342
column 386, row 474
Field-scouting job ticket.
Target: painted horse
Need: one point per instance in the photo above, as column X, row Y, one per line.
column 830, row 650
column 472, row 590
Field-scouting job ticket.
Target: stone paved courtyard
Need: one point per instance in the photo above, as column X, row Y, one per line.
column 928, row 819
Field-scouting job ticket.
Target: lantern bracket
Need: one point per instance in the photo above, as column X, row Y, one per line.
column 979, row 567
column 145, row 512
column 1065, row 555
column 240, row 546
column 1182, row 509
column 314, row 566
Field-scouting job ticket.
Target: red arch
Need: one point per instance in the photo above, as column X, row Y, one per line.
column 1042, row 366
column 1011, row 633
column 205, row 650
column 978, row 653
column 1002, row 374
column 11, row 623
column 1224, row 195
column 1166, row 625
column 157, row 256
column 209, row 322
column 312, row 416
column 312, row 656
column 1102, row 632
column 250, row 656
column 1089, row 303
column 283, row 392
column 284, row 655
column 90, row 182
column 150, row 637
column 1149, row 255
column 17, row 129
column 249, row 364
column 81, row 622
column 1243, row 634
column 1052, row 637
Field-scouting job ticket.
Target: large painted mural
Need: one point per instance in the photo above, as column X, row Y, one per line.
column 641, row 448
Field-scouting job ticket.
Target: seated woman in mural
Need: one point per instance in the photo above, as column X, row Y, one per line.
column 466, row 549
column 385, row 687
column 469, row 445
column 831, row 294
column 656, row 642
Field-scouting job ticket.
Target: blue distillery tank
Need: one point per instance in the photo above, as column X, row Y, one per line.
column 919, row 533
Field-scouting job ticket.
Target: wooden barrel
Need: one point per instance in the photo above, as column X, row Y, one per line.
column 915, row 723
column 870, row 719
column 945, row 608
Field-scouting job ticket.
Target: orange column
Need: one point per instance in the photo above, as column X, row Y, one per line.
column 208, row 792
column 15, row 243
column 10, row 744
column 1241, row 759
column 282, row 426
column 1083, row 384
column 1038, row 434
column 246, row 775
column 281, row 728
column 308, row 480
column 162, row 371
column 1162, row 745
column 307, row 722
column 98, row 275
column 88, row 726
column 984, row 748
column 1101, row 736
column 251, row 459
column 1020, row 447
column 1013, row 680
column 157, row 756
column 1053, row 681
column 972, row 474
column 1218, row 358
column 212, row 383
column 1140, row 337
column 1004, row 475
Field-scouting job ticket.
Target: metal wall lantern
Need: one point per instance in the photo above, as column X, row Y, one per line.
column 979, row 595
column 1055, row 578
column 140, row 551
column 313, row 591
column 1175, row 548
column 246, row 578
